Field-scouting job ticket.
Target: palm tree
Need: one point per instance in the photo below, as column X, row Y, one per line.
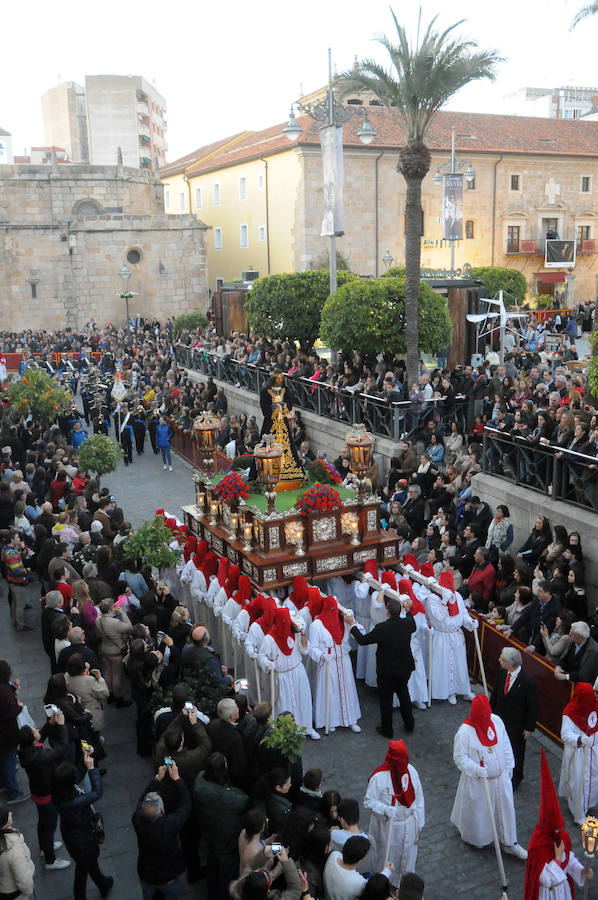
column 419, row 82
column 590, row 10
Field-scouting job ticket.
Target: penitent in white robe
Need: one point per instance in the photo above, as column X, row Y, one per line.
column 407, row 822
column 579, row 797
column 470, row 809
column 224, row 636
column 362, row 607
column 377, row 616
column 418, row 684
column 553, row 880
column 344, row 702
column 449, row 656
column 291, row 686
column 253, row 642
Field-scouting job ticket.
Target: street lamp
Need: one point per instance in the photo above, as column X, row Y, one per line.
column 332, row 115
column 125, row 273
column 387, row 260
column 452, row 167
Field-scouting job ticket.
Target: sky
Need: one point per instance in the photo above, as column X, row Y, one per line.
column 228, row 66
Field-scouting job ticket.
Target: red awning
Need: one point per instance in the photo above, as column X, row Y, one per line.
column 551, row 277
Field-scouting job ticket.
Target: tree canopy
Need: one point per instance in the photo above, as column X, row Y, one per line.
column 37, row 395
column 497, row 278
column 289, row 306
column 98, row 455
column 369, row 316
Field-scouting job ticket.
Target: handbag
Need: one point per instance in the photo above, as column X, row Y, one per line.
column 97, row 826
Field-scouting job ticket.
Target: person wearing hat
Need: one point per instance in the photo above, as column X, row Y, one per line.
column 482, row 750
column 579, row 768
column 395, row 799
column 551, row 867
column 139, row 429
column 448, row 615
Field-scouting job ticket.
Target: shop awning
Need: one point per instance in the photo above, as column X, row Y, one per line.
column 551, row 277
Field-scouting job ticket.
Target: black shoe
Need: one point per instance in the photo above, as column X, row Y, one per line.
column 384, row 734
column 120, row 702
column 107, row 887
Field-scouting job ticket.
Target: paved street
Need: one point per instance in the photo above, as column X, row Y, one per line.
column 346, row 759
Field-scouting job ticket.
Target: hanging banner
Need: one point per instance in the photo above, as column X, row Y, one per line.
column 559, row 254
column 331, row 139
column 452, row 207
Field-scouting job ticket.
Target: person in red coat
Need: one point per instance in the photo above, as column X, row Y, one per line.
column 481, row 582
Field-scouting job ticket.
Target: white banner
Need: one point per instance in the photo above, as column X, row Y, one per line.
column 331, row 139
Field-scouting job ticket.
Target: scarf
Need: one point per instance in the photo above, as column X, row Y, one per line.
column 395, row 762
column 299, row 594
column 282, row 631
column 479, row 718
column 405, row 587
column 582, row 709
column 330, row 619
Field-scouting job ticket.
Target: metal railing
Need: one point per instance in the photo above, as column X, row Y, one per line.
column 557, row 472
column 387, row 419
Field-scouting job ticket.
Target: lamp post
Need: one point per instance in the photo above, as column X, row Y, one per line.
column 332, row 115
column 268, row 461
column 452, row 167
column 387, row 260
column 125, row 273
column 360, row 443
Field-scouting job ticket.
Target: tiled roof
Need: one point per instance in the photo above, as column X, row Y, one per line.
column 475, row 133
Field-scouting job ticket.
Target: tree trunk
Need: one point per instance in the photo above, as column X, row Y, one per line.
column 414, row 163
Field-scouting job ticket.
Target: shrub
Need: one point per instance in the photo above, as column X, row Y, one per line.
column 193, row 321
column 498, row 278
column 98, row 455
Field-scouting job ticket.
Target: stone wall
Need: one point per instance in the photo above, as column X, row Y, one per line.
column 59, row 260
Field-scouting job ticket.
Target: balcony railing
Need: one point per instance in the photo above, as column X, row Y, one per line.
column 387, row 419
column 559, row 473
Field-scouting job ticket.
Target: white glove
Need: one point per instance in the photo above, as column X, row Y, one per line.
column 266, row 664
column 476, row 624
column 390, row 812
column 368, row 575
column 587, row 740
column 482, row 772
column 322, row 659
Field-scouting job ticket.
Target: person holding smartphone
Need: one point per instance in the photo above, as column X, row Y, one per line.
column 39, row 762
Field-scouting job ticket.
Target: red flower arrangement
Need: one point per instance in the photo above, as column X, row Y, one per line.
column 324, row 472
column 232, row 487
column 319, row 498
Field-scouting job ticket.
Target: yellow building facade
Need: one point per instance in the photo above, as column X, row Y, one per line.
column 261, row 198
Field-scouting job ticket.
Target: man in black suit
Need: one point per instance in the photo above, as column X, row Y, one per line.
column 414, row 510
column 394, row 662
column 228, row 740
column 515, row 699
column 580, row 662
column 77, row 645
column 542, row 611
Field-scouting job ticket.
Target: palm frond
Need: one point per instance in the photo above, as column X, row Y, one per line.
column 421, row 80
column 585, row 12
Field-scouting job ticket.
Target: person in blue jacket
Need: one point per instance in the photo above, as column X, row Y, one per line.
column 78, row 436
column 163, row 437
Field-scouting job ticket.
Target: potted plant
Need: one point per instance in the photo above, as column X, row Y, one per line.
column 98, row 455
column 286, row 738
column 150, row 544
column 231, row 489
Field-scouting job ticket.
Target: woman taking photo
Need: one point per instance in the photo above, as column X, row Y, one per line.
column 77, row 820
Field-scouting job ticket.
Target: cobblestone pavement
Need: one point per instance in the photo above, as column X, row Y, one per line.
column 449, row 867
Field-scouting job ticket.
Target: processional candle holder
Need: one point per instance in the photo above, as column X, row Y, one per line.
column 589, row 841
column 248, row 537
column 206, row 427
column 268, row 462
column 213, row 512
column 360, row 444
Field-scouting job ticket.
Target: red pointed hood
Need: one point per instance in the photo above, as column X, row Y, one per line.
column 315, row 601
column 480, row 719
column 223, row 567
column 243, row 595
column 582, row 709
column 549, row 831
column 282, row 631
column 411, row 560
column 405, row 587
column 299, row 594
column 396, row 762
column 232, row 580
column 210, row 565
column 190, row 547
column 266, row 620
column 427, row 570
column 200, row 553
column 255, row 608
column 447, row 582
column 330, row 619
column 371, row 568
column 389, row 579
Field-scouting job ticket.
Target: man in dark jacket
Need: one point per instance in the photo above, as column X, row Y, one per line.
column 227, row 739
column 394, row 663
column 515, row 699
column 199, row 653
column 39, row 762
column 580, row 662
column 160, row 861
column 414, row 511
column 77, row 638
column 541, row 612
column 51, row 611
